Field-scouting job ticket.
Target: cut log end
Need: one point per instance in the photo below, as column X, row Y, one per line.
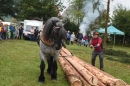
column 119, row 83
column 76, row 83
column 94, row 81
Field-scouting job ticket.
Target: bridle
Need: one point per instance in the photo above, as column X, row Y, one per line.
column 48, row 42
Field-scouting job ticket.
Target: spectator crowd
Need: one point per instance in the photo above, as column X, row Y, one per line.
column 12, row 31
column 78, row 38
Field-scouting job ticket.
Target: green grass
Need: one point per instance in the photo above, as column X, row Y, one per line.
column 19, row 64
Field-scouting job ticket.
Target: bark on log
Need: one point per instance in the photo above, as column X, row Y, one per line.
column 62, row 53
column 127, row 85
column 105, row 78
column 65, row 51
column 84, row 82
column 100, row 83
column 84, row 72
column 72, row 77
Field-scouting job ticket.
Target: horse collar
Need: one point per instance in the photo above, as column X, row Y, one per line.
column 47, row 42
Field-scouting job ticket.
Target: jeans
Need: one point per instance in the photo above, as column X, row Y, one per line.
column 79, row 42
column 101, row 56
column 31, row 37
column 4, row 35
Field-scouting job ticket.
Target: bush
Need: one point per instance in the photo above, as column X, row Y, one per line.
column 117, row 55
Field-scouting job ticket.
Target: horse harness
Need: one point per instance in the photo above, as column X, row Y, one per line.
column 47, row 42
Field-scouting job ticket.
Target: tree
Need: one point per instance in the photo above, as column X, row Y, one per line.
column 76, row 10
column 121, row 20
column 8, row 7
column 70, row 26
column 14, row 20
column 39, row 8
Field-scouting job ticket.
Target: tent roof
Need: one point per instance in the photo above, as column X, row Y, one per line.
column 111, row 30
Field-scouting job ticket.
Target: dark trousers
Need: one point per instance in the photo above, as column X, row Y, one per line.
column 20, row 35
column 35, row 37
column 31, row 37
column 72, row 42
column 12, row 35
column 4, row 35
column 68, row 41
column 0, row 36
column 100, row 58
column 79, row 42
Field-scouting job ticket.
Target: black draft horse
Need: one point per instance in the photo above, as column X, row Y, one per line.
column 51, row 41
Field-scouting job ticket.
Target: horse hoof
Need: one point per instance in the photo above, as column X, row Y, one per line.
column 41, row 82
column 41, row 79
column 53, row 78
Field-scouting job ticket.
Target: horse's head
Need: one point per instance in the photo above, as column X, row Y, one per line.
column 54, row 31
column 58, row 34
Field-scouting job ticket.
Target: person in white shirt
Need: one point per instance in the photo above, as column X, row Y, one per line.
column 32, row 34
column 72, row 38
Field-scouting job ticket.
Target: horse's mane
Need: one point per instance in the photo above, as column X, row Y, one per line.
column 62, row 33
column 54, row 21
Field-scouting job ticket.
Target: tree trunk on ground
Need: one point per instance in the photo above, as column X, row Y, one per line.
column 102, row 76
column 64, row 61
column 84, row 72
column 70, row 73
column 65, row 52
column 104, row 79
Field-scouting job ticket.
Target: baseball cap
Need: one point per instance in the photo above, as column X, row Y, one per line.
column 95, row 33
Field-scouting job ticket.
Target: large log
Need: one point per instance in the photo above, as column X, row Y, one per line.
column 71, row 76
column 105, row 78
column 100, row 83
column 85, row 73
column 62, row 59
column 64, row 50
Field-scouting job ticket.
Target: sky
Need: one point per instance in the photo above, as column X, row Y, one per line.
column 113, row 4
column 89, row 18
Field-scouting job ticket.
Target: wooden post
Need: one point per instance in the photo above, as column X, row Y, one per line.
column 107, row 16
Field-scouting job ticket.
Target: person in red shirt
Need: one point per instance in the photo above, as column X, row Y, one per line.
column 96, row 43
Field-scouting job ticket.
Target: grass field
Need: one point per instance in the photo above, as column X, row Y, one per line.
column 19, row 64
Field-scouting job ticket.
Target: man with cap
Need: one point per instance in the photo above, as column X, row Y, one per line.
column 96, row 43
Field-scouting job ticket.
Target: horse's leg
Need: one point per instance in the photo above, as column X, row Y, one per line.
column 42, row 67
column 49, row 61
column 54, row 70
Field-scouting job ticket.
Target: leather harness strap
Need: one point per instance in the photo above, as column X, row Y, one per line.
column 47, row 42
